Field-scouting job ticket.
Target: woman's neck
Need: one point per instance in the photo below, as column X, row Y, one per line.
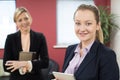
column 25, row 32
column 84, row 44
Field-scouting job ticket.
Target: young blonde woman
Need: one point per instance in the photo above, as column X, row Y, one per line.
column 26, row 40
column 90, row 59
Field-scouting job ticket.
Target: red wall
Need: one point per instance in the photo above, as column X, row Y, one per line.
column 44, row 20
column 102, row 2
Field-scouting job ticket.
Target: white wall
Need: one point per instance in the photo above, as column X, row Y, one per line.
column 65, row 23
column 115, row 37
column 7, row 25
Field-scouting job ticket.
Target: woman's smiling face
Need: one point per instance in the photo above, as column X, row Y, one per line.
column 23, row 22
column 85, row 25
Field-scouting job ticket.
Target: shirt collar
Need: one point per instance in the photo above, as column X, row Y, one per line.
column 86, row 49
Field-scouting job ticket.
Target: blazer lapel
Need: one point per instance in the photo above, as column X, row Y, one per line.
column 70, row 56
column 31, row 41
column 91, row 54
column 18, row 41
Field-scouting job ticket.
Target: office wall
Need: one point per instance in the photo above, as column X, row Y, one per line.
column 115, row 35
column 44, row 20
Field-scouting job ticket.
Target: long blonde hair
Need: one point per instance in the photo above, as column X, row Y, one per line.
column 94, row 9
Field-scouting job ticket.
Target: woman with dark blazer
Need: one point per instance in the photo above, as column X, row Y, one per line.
column 90, row 59
column 99, row 64
column 25, row 40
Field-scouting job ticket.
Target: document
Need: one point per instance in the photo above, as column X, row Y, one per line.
column 26, row 56
column 63, row 76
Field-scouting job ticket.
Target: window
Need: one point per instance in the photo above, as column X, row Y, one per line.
column 65, row 24
column 7, row 25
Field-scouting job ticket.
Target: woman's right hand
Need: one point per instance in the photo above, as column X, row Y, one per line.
column 14, row 65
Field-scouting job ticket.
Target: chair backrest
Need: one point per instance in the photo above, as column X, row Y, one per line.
column 53, row 66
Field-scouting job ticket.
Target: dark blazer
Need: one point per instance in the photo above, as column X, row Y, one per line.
column 99, row 64
column 37, row 44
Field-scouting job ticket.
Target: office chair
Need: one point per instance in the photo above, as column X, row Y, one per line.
column 46, row 73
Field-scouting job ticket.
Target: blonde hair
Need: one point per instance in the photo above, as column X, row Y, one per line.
column 19, row 11
column 99, row 35
column 94, row 9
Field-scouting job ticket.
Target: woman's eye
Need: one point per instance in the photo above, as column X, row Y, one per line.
column 88, row 24
column 26, row 18
column 77, row 23
column 20, row 20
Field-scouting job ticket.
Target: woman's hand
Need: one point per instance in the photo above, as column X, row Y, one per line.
column 23, row 70
column 14, row 65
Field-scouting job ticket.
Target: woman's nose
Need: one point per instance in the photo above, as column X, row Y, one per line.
column 82, row 28
column 23, row 21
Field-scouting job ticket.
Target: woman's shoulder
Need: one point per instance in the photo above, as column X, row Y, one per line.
column 105, row 48
column 100, row 47
column 106, row 51
column 36, row 33
column 11, row 35
column 72, row 45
